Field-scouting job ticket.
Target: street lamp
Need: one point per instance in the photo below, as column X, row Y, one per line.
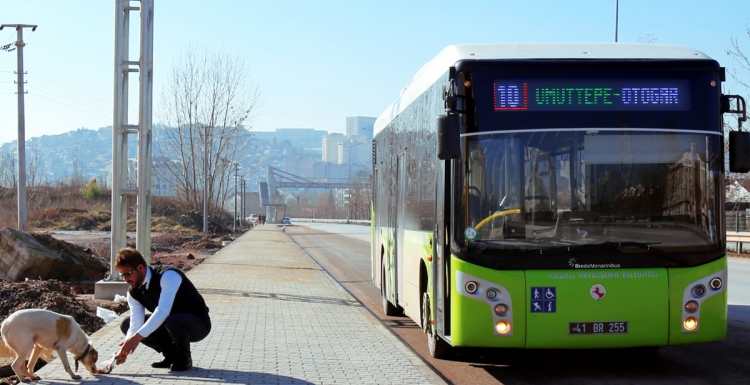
column 236, row 183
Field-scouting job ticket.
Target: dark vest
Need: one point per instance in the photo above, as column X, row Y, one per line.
column 187, row 299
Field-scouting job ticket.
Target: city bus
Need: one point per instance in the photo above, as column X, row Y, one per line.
column 556, row 196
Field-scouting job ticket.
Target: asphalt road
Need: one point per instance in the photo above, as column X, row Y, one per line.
column 344, row 250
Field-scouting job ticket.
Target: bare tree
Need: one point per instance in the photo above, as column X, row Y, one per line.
column 359, row 199
column 76, row 177
column 208, row 102
column 7, row 168
column 326, row 205
column 737, row 183
column 741, row 60
column 36, row 171
column 649, row 39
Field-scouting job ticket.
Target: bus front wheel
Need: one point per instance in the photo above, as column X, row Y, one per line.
column 437, row 347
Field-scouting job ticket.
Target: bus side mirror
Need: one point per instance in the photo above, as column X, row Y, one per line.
column 448, row 136
column 739, row 151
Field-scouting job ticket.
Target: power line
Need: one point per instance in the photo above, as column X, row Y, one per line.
column 101, row 107
column 66, row 88
column 76, row 94
column 68, row 105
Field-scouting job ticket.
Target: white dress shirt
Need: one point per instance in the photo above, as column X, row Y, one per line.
column 170, row 282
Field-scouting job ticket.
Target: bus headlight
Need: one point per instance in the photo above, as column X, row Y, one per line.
column 502, row 327
column 471, row 287
column 501, row 309
column 691, row 307
column 491, row 293
column 716, row 283
column 690, row 323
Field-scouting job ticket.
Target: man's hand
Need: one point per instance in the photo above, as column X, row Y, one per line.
column 127, row 347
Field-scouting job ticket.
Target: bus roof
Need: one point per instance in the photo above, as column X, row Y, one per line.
column 435, row 68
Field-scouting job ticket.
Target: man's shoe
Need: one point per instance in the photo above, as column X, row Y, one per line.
column 163, row 364
column 182, row 366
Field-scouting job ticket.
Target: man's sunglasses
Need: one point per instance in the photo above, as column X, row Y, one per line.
column 126, row 274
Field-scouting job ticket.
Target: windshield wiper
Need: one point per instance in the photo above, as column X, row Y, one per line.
column 604, row 245
column 641, row 245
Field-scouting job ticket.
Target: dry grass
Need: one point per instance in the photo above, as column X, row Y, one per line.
column 72, row 207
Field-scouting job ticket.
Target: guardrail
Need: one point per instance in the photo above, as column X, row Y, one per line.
column 739, row 239
column 349, row 221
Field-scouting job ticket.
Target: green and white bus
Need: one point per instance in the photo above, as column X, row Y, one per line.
column 556, row 196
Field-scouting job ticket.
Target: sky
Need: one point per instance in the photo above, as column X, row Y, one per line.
column 317, row 62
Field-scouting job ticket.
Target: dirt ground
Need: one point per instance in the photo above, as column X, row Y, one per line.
column 733, row 254
column 181, row 250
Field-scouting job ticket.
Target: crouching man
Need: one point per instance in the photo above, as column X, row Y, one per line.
column 179, row 314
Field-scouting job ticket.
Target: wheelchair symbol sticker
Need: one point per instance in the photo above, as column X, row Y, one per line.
column 543, row 300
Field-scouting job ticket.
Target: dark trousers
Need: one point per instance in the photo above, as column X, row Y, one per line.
column 173, row 337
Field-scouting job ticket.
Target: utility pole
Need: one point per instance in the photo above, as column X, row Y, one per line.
column 234, row 222
column 21, row 126
column 205, row 180
column 617, row 17
column 243, row 201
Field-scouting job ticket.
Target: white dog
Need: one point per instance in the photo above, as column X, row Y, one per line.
column 28, row 332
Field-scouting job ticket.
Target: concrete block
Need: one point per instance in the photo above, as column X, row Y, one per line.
column 22, row 257
column 108, row 289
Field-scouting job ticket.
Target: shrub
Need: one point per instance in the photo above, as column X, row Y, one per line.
column 93, row 191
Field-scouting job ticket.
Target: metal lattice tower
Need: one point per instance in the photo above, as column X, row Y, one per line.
column 121, row 129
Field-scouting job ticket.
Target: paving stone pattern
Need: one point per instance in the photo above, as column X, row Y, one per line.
column 278, row 318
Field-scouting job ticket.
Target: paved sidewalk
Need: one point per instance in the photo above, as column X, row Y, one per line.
column 278, row 318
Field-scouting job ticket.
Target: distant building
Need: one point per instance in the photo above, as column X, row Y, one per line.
column 330, row 172
column 359, row 126
column 164, row 183
column 299, row 137
column 301, row 166
column 331, row 147
column 355, row 150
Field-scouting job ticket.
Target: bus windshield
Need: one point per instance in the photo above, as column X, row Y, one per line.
column 577, row 190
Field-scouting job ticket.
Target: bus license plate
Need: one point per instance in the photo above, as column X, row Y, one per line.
column 598, row 327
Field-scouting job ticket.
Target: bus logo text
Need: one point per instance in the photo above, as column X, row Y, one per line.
column 572, row 263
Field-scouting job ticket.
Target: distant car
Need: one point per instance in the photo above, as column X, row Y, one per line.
column 252, row 218
column 287, row 221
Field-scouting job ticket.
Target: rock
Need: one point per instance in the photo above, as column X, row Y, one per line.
column 23, row 256
column 190, row 256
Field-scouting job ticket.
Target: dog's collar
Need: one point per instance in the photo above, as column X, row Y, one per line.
column 81, row 357
column 85, row 352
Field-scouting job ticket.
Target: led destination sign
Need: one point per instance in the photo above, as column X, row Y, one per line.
column 591, row 95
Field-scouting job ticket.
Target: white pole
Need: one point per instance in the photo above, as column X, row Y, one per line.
column 205, row 181
column 617, row 17
column 234, row 221
column 22, row 223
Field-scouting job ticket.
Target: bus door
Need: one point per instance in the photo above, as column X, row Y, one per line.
column 375, row 220
column 441, row 257
column 400, row 213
